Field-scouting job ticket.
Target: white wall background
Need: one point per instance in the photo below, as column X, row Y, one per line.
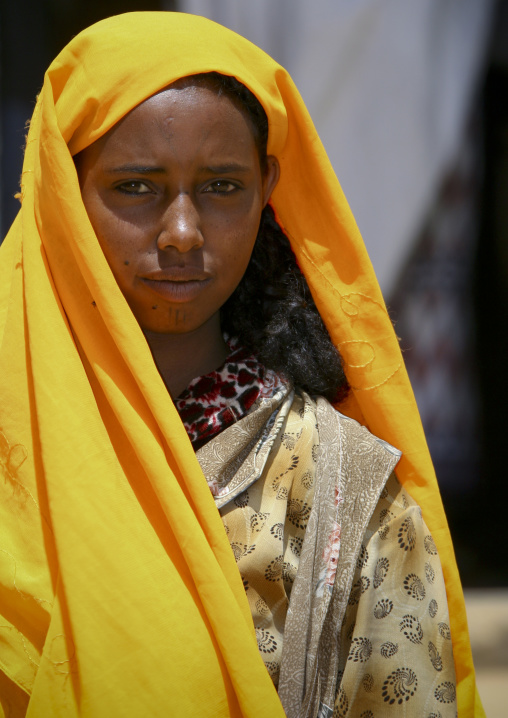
column 388, row 83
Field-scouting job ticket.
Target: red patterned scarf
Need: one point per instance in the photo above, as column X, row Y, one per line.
column 212, row 402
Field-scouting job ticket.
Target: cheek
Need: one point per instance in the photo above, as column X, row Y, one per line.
column 235, row 262
column 108, row 228
column 238, row 232
column 118, row 240
column 236, row 245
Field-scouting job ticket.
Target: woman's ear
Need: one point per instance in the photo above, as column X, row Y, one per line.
column 272, row 174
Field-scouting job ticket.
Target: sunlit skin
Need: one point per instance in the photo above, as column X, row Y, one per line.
column 174, row 193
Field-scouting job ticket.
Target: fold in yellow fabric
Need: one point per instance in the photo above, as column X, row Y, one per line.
column 119, row 592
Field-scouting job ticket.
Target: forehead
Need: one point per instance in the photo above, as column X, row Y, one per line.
column 179, row 120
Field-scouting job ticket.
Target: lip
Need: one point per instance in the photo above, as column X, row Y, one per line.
column 185, row 273
column 177, row 284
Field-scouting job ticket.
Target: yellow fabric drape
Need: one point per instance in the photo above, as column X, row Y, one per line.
column 119, row 594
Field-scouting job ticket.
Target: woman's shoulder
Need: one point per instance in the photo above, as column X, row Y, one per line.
column 344, row 443
column 352, row 431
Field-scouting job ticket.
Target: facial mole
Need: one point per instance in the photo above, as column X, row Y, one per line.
column 154, row 306
column 126, row 262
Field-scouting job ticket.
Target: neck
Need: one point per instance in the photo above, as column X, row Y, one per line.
column 180, row 358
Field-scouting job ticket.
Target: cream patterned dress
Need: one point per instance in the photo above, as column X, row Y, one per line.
column 368, row 622
column 266, row 526
column 396, row 649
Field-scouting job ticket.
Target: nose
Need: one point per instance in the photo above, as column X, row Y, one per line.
column 180, row 226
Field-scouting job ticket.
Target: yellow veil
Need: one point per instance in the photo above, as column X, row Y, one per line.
column 119, row 594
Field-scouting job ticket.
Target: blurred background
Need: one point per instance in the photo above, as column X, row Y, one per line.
column 411, row 102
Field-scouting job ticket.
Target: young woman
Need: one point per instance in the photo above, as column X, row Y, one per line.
column 176, row 481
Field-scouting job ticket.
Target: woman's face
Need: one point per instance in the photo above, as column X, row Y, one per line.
column 174, row 193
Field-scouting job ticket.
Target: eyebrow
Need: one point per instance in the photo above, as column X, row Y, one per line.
column 224, row 169
column 135, row 169
column 144, row 170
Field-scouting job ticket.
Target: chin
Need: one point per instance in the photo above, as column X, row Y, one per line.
column 165, row 328
column 176, row 324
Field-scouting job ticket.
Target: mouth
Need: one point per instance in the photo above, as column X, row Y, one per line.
column 177, row 274
column 178, row 285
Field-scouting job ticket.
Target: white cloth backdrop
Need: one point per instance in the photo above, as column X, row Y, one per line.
column 388, row 84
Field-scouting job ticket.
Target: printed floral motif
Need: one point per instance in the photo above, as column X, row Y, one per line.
column 400, row 686
column 380, row 571
column 444, row 630
column 430, row 574
column 240, row 550
column 358, row 588
column 389, row 649
column 411, row 628
column 274, row 569
column 282, row 493
column 407, row 534
column 242, row 500
column 362, row 558
column 433, row 608
column 262, row 607
column 435, row 658
column 430, row 546
column 445, row 692
column 341, row 704
column 289, row 439
column 277, row 530
column 414, row 587
column 383, row 608
column 307, row 479
column 258, row 520
column 275, row 483
column 360, row 651
column 368, row 683
column 385, row 516
column 295, row 544
column 298, row 513
column 266, row 642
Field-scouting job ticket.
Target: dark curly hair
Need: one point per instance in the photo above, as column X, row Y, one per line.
column 272, row 311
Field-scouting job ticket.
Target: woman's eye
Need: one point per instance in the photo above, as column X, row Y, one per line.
column 135, row 187
column 221, row 187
